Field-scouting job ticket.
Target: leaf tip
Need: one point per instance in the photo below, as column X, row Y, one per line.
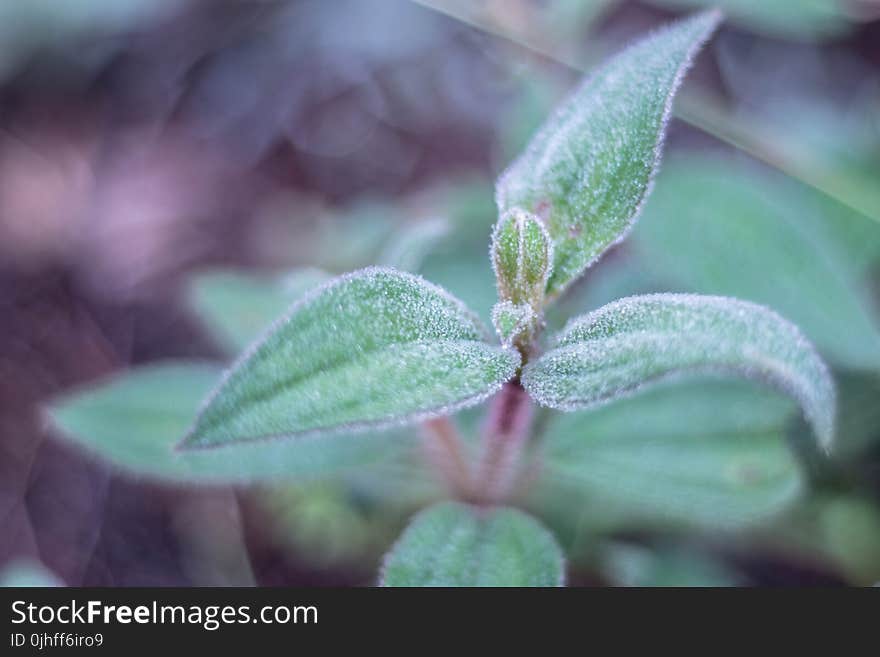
column 192, row 440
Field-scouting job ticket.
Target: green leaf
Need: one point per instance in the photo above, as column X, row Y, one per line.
column 236, row 306
column 706, row 453
column 373, row 348
column 716, row 226
column 589, row 168
column 453, row 544
column 133, row 420
column 626, row 345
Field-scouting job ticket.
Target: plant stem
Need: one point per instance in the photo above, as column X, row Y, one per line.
column 446, row 452
column 504, row 437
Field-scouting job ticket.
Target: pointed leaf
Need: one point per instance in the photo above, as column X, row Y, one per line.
column 630, row 343
column 373, row 348
column 706, row 453
column 133, row 420
column 589, row 168
column 237, row 306
column 453, row 544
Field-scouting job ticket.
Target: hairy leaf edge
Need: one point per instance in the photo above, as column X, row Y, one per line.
column 715, row 17
column 187, row 443
column 825, row 434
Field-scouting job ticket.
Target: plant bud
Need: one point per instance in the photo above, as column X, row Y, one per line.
column 512, row 321
column 522, row 258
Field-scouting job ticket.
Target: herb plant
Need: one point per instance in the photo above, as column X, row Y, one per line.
column 379, row 350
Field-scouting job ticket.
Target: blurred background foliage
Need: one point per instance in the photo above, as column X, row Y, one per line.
column 174, row 174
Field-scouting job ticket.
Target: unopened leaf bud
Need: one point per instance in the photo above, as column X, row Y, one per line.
column 522, row 258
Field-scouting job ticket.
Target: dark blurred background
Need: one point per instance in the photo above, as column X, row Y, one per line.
column 141, row 140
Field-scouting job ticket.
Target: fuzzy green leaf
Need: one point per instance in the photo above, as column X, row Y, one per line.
column 133, row 420
column 373, row 348
column 236, row 307
column 703, row 453
column 453, row 544
column 589, row 168
column 633, row 342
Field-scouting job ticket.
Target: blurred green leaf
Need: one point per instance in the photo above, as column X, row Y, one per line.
column 349, row 521
column 134, row 420
column 850, row 527
column 840, row 531
column 635, row 565
column 797, row 19
column 237, row 306
column 588, row 170
column 468, row 201
column 716, row 227
column 536, row 95
column 411, row 243
column 372, row 348
column 859, row 414
column 468, row 276
column 27, row 573
column 634, row 342
column 356, row 236
column 458, row 263
column 454, row 544
column 839, row 144
column 615, row 277
column 706, row 454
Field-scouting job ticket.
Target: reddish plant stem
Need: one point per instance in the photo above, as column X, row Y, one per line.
column 445, row 451
column 505, row 434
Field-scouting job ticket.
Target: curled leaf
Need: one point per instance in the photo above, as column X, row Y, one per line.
column 373, row 348
column 630, row 343
column 588, row 170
